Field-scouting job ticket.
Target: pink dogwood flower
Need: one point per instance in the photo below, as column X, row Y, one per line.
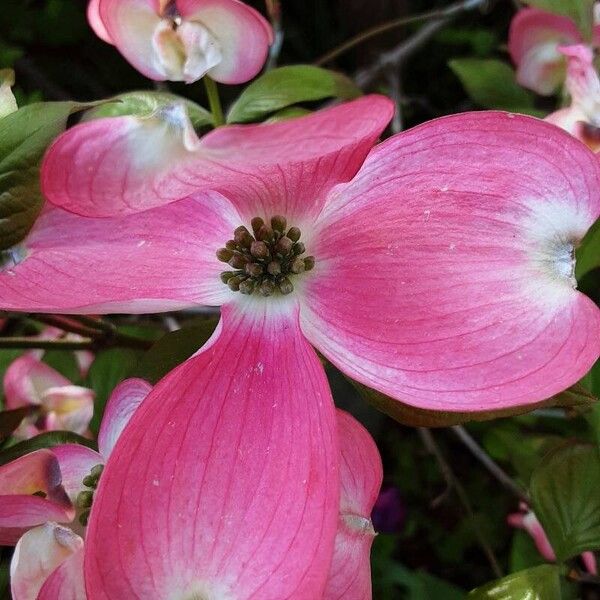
column 183, row 40
column 582, row 117
column 533, row 42
column 440, row 272
column 59, row 404
column 48, row 560
column 525, row 519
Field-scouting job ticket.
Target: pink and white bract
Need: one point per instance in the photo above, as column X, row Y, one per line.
column 59, row 404
column 582, row 117
column 182, row 40
column 123, row 165
column 534, row 39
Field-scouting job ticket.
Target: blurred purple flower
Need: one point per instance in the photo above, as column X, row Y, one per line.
column 389, row 512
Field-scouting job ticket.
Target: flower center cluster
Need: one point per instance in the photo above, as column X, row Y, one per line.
column 264, row 262
column 85, row 498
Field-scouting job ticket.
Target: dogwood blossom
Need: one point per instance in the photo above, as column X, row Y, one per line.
column 440, row 273
column 182, row 40
column 534, row 39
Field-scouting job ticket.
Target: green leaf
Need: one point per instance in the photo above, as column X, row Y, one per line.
column 537, row 583
column 11, row 419
column 65, row 363
column 172, row 349
column 576, row 395
column 491, row 83
column 581, row 11
column 24, row 137
column 588, row 253
column 285, row 86
column 565, row 497
column 291, row 112
column 109, row 368
column 145, row 103
column 44, row 440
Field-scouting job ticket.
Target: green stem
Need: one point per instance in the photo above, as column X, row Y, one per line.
column 214, row 101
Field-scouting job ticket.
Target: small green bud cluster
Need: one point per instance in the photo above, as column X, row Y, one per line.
column 85, row 498
column 265, row 259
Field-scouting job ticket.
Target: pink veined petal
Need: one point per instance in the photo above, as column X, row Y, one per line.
column 123, row 402
column 72, row 407
column 27, row 380
column 126, row 164
column 95, row 21
column 131, row 26
column 533, row 42
column 121, row 165
column 37, row 554
column 66, row 582
column 225, row 484
column 158, row 260
column 242, row 33
column 361, row 474
column 444, row 271
column 20, row 509
column 75, row 462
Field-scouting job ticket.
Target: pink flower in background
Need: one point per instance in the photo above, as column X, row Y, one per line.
column 440, row 274
column 183, row 40
column 84, row 358
column 48, row 560
column 534, row 39
column 526, row 520
column 59, row 404
column 582, row 117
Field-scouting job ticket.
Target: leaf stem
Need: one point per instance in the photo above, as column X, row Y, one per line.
column 214, row 101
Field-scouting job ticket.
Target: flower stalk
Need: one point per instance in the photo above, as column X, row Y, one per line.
column 214, row 101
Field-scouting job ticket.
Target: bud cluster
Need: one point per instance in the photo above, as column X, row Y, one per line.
column 265, row 259
column 86, row 497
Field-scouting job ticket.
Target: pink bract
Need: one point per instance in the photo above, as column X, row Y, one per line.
column 183, row 40
column 123, row 165
column 361, row 474
column 230, row 467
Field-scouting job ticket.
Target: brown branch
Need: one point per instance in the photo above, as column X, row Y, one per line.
column 481, row 455
column 431, row 445
column 442, row 14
